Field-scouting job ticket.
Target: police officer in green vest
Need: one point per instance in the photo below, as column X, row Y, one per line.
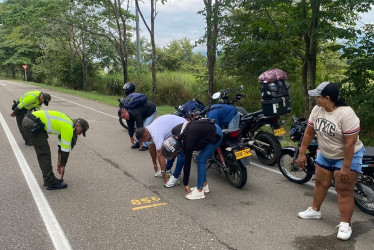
column 37, row 125
column 32, row 100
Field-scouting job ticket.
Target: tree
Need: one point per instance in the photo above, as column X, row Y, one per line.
column 179, row 56
column 151, row 31
column 293, row 28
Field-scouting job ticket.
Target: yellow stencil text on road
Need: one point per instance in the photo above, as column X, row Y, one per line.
column 147, row 203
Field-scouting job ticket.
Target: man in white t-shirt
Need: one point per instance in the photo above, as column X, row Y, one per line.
column 156, row 133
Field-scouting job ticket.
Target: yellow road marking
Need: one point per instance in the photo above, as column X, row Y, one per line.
column 149, row 206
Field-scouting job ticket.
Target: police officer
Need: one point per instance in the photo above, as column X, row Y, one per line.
column 29, row 101
column 38, row 125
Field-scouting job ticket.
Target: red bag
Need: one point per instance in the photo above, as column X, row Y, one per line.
column 273, row 75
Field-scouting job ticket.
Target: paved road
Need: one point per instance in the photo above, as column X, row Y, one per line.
column 113, row 201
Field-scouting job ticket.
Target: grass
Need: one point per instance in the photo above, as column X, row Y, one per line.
column 107, row 99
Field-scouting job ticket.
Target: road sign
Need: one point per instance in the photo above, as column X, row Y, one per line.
column 24, row 66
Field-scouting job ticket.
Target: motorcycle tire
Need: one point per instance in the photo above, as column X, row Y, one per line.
column 237, row 175
column 364, row 196
column 122, row 122
column 272, row 152
column 293, row 173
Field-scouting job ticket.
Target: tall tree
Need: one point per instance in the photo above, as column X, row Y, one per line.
column 151, row 31
column 293, row 28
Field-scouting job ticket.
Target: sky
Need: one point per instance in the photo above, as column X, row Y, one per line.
column 178, row 19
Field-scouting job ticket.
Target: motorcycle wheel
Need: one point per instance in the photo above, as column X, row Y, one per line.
column 237, row 173
column 364, row 196
column 288, row 168
column 271, row 154
column 122, row 122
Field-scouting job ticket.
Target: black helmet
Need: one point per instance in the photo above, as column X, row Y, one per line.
column 129, row 88
column 170, row 147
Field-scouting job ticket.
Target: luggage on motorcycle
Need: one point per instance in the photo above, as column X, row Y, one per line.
column 276, row 106
column 275, row 89
column 273, row 75
column 275, row 97
column 188, row 106
column 133, row 100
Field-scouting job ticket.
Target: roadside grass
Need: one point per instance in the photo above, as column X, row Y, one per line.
column 107, row 99
column 367, row 137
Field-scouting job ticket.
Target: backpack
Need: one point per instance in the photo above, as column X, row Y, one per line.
column 273, row 75
column 133, row 100
column 188, row 106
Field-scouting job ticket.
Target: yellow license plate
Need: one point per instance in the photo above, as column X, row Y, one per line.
column 279, row 131
column 243, row 153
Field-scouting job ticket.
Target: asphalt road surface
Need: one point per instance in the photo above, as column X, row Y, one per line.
column 113, row 200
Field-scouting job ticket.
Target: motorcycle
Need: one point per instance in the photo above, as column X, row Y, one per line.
column 122, row 121
column 232, row 156
column 265, row 144
column 364, row 188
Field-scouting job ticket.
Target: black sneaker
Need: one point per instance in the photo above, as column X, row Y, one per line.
column 136, row 145
column 60, row 180
column 144, row 148
column 28, row 143
column 57, row 185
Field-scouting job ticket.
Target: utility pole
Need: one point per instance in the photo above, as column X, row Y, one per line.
column 137, row 37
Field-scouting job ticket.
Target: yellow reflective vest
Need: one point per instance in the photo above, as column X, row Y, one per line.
column 30, row 100
column 57, row 123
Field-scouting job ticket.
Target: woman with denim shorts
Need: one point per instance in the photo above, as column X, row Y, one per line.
column 340, row 153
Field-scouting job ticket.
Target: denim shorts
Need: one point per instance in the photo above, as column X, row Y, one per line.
column 337, row 164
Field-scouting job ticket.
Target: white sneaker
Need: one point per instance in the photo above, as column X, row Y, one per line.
column 195, row 195
column 172, row 182
column 310, row 214
column 344, row 232
column 158, row 174
column 205, row 189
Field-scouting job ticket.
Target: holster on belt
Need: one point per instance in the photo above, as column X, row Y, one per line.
column 38, row 125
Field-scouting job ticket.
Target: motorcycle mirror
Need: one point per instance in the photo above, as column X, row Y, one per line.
column 216, row 95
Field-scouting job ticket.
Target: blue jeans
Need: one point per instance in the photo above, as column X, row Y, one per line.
column 204, row 155
column 234, row 123
column 147, row 122
column 179, row 166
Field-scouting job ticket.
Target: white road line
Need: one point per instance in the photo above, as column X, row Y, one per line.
column 76, row 103
column 86, row 107
column 54, row 229
column 278, row 172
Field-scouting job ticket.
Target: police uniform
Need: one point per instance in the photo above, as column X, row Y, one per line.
column 51, row 122
column 29, row 101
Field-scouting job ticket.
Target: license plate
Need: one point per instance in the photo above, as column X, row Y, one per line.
column 279, row 131
column 243, row 153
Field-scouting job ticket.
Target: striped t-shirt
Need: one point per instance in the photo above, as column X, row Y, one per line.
column 331, row 127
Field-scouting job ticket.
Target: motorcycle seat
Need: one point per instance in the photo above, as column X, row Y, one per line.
column 252, row 116
column 369, row 154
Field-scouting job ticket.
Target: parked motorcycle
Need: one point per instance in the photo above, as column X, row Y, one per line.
column 364, row 188
column 265, row 144
column 232, row 156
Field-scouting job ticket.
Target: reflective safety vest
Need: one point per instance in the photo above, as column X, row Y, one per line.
column 57, row 123
column 30, row 100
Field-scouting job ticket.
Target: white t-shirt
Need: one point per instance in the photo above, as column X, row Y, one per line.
column 331, row 127
column 160, row 129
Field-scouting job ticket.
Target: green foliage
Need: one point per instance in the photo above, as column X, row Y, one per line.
column 178, row 56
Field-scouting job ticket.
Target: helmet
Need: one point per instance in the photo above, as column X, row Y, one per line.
column 129, row 88
column 170, row 147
